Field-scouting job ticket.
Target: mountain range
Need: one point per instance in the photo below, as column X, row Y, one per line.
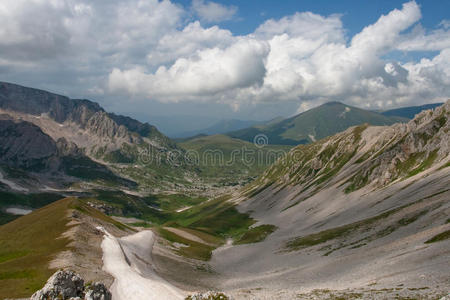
column 356, row 207
column 409, row 112
column 314, row 124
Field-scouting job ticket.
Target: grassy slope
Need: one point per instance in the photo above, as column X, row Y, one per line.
column 23, row 200
column 213, row 221
column 28, row 244
column 322, row 121
column 232, row 165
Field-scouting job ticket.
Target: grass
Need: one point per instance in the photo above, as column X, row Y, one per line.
column 86, row 209
column 26, row 200
column 172, row 202
column 29, row 200
column 256, row 234
column 439, row 237
column 190, row 249
column 425, row 164
column 28, row 244
column 6, row 218
column 141, row 224
column 234, row 159
column 212, row 220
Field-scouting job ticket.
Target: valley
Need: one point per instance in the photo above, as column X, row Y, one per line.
column 358, row 210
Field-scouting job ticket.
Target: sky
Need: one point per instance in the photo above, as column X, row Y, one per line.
column 253, row 59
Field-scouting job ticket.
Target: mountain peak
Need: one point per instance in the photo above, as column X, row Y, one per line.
column 333, row 103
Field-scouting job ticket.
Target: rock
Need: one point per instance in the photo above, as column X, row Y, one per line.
column 61, row 285
column 66, row 284
column 209, row 296
column 97, row 291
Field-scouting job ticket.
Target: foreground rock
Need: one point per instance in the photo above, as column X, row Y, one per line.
column 209, row 296
column 66, row 284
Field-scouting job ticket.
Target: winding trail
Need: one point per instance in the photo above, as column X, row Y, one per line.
column 129, row 261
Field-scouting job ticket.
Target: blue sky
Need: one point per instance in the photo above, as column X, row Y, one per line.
column 229, row 59
column 355, row 14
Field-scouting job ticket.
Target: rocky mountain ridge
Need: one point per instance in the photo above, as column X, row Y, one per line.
column 74, row 118
column 365, row 155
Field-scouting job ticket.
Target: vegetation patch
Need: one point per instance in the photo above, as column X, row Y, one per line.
column 439, row 237
column 425, row 164
column 256, row 234
column 90, row 211
column 186, row 247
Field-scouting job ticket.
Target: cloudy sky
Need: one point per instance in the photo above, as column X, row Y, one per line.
column 250, row 59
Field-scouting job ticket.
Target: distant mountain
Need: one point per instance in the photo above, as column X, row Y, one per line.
column 409, row 112
column 42, row 120
column 24, row 146
column 175, row 126
column 314, row 124
column 75, row 116
column 220, row 127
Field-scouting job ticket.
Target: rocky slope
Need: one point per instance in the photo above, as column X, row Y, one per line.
column 131, row 149
column 105, row 130
column 36, row 160
column 366, row 156
column 364, row 213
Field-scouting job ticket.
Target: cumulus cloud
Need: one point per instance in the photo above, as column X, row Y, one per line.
column 209, row 72
column 210, row 11
column 154, row 50
column 420, row 40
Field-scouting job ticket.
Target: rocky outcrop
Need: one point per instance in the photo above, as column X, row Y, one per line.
column 23, row 144
column 209, row 296
column 66, row 284
column 97, row 291
column 67, row 148
column 61, row 285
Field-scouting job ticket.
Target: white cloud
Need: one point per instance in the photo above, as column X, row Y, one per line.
column 420, row 40
column 209, row 72
column 187, row 42
column 153, row 50
column 307, row 25
column 210, row 11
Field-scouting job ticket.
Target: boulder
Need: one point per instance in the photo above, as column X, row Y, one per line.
column 68, row 285
column 61, row 285
column 97, row 291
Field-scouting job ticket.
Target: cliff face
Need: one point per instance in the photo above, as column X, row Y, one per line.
column 24, row 145
column 81, row 122
column 36, row 102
